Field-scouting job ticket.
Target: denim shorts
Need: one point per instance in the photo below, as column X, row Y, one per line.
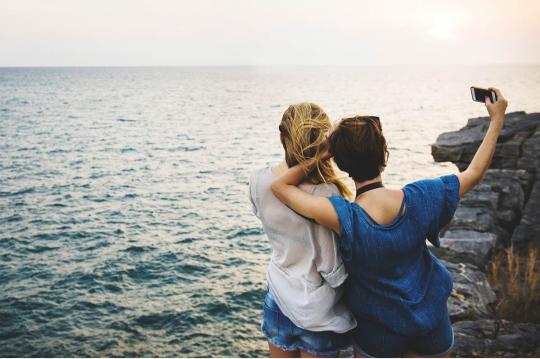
column 371, row 339
column 281, row 332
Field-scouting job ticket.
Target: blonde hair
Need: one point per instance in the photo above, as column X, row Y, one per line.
column 304, row 128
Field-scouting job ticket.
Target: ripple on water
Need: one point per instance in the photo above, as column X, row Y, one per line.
column 13, row 218
column 58, row 205
column 17, row 193
column 191, row 269
column 186, row 240
column 244, row 232
column 169, row 320
column 102, row 308
column 41, row 249
column 139, row 249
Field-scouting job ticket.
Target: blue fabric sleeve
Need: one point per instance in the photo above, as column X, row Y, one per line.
column 344, row 213
column 445, row 201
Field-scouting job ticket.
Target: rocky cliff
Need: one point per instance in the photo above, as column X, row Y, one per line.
column 503, row 210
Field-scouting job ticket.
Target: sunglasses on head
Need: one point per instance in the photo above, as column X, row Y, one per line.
column 374, row 119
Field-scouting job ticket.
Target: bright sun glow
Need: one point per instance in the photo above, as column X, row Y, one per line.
column 279, row 32
column 444, row 26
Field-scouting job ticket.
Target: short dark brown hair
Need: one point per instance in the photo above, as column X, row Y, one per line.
column 359, row 147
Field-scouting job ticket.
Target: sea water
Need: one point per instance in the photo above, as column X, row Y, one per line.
column 125, row 225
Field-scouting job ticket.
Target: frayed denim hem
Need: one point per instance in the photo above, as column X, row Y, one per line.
column 294, row 347
column 359, row 350
column 444, row 352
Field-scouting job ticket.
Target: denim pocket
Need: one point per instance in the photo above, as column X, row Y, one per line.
column 270, row 322
column 270, row 304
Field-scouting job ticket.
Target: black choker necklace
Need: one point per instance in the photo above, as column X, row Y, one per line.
column 368, row 187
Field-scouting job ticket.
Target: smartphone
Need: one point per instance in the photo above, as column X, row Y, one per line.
column 479, row 94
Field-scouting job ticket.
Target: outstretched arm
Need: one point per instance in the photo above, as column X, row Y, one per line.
column 482, row 159
column 317, row 208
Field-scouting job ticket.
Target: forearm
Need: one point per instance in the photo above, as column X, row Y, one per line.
column 483, row 156
column 311, row 206
column 295, row 175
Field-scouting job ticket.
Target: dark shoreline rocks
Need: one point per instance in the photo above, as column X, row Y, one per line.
column 503, row 210
column 492, row 338
column 472, row 296
column 520, row 128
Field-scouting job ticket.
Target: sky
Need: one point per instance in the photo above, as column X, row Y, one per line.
column 273, row 32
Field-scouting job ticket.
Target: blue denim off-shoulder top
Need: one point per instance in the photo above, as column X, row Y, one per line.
column 393, row 277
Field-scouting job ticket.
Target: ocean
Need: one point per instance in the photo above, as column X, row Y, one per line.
column 125, row 225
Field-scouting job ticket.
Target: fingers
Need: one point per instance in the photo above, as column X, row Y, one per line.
column 326, row 156
column 498, row 92
column 498, row 107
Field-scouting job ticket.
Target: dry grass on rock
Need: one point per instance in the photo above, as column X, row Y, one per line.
column 516, row 279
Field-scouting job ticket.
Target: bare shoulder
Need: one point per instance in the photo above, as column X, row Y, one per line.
column 258, row 173
column 393, row 198
column 390, row 196
column 395, row 193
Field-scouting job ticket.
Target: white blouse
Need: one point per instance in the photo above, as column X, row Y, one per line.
column 305, row 271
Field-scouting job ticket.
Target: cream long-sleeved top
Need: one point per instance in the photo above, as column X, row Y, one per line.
column 305, row 272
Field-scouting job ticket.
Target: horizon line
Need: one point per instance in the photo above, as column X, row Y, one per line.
column 277, row 65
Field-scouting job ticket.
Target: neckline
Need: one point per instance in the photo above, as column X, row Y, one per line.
column 269, row 167
column 395, row 222
column 368, row 187
column 303, row 183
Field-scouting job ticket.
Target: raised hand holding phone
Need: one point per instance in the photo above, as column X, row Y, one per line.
column 483, row 156
column 479, row 94
column 497, row 108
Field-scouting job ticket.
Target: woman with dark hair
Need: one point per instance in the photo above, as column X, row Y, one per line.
column 396, row 288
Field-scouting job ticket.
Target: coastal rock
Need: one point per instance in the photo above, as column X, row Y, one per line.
column 473, row 218
column 507, row 218
column 516, row 122
column 507, row 153
column 466, row 246
column 481, row 196
column 460, row 146
column 472, row 295
column 512, row 186
column 492, row 338
column 506, row 205
column 530, row 150
column 528, row 229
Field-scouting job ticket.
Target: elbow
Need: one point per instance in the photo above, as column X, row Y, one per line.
column 276, row 188
column 472, row 177
column 480, row 178
column 477, row 175
column 279, row 189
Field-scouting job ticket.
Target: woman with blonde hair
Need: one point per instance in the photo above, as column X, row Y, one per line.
column 304, row 314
